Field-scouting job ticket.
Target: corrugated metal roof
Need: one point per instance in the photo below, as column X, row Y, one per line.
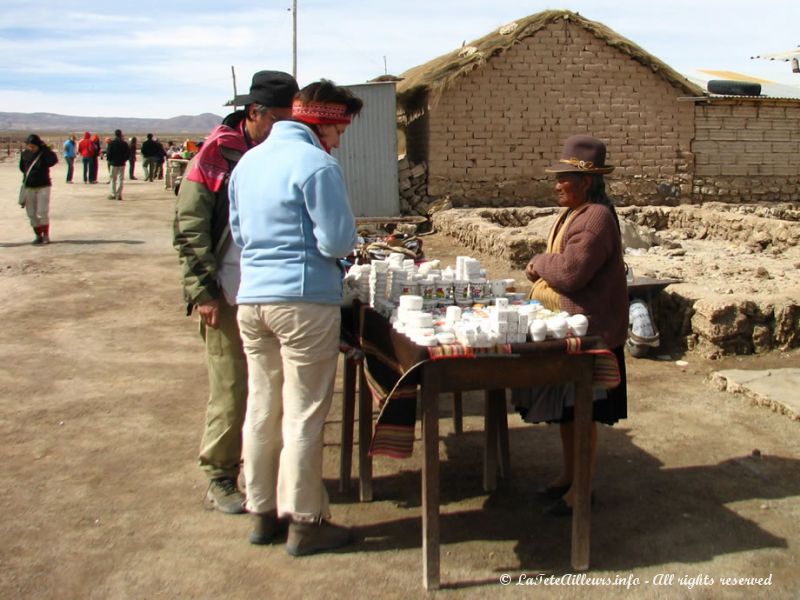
column 769, row 89
column 784, row 56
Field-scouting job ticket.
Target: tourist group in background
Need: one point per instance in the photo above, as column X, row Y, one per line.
column 37, row 157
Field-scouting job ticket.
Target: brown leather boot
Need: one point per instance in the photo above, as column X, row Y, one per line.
column 266, row 527
column 316, row 536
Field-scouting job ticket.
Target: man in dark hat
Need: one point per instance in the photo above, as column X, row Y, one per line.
column 210, row 274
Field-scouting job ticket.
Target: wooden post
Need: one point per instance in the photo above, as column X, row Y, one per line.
column 294, row 39
column 364, row 438
column 430, row 482
column 581, row 515
column 348, row 418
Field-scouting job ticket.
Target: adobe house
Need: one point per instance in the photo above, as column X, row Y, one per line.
column 489, row 117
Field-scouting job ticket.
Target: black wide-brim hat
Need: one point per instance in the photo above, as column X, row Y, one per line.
column 582, row 154
column 273, row 89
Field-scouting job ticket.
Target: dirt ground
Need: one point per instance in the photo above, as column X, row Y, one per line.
column 102, row 399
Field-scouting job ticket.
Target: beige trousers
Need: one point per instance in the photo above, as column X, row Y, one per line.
column 292, row 352
column 37, row 205
column 117, row 175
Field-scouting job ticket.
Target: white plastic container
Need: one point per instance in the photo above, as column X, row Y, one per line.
column 538, row 330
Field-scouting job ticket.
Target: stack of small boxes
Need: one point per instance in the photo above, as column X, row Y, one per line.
column 506, row 325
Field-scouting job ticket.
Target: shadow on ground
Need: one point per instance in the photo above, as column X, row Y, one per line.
column 659, row 516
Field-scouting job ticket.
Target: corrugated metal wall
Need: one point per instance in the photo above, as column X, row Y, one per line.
column 368, row 153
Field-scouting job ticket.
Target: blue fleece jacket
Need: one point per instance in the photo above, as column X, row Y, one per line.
column 290, row 215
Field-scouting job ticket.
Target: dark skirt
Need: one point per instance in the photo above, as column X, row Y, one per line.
column 606, row 410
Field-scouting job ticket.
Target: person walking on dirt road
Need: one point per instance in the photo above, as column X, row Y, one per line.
column 35, row 162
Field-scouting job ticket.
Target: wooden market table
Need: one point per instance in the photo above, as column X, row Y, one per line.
column 526, row 365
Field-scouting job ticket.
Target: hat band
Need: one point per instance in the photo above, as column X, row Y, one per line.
column 580, row 164
column 320, row 113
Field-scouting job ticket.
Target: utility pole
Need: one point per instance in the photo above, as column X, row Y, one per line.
column 233, row 74
column 294, row 39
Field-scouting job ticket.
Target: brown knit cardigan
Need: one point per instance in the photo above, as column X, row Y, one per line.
column 589, row 273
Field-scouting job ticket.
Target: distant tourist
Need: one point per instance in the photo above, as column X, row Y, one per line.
column 173, row 151
column 134, row 146
column 160, row 160
column 70, row 152
column 94, row 164
column 87, row 151
column 151, row 150
column 117, row 153
column 35, row 163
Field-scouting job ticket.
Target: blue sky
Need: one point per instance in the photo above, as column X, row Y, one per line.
column 162, row 59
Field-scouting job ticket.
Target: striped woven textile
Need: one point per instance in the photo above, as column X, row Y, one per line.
column 392, row 368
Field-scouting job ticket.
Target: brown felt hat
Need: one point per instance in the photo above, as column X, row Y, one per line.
column 582, row 154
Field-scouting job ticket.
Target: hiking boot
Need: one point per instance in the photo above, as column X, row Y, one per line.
column 224, row 496
column 317, row 536
column 267, row 527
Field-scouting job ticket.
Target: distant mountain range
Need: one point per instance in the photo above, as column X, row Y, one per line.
column 49, row 122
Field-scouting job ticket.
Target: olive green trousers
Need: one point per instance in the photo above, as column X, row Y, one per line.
column 221, row 448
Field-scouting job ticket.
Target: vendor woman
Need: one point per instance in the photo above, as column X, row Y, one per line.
column 582, row 271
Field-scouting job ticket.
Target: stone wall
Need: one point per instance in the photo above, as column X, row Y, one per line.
column 761, row 228
column 493, row 132
column 694, row 315
column 746, row 150
column 413, row 187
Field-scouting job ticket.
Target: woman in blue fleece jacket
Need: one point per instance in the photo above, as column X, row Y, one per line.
column 291, row 217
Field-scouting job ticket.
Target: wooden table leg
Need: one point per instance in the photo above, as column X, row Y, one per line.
column 581, row 515
column 364, row 438
column 458, row 414
column 430, row 485
column 348, row 418
column 503, row 450
column 490, row 439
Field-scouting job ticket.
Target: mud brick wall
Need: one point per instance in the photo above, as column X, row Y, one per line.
column 492, row 133
column 747, row 151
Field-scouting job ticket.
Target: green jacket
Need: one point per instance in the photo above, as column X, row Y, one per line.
column 201, row 235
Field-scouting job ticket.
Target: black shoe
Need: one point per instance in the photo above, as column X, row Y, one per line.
column 560, row 508
column 553, row 492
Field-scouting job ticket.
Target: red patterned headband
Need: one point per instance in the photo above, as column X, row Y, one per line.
column 320, row 113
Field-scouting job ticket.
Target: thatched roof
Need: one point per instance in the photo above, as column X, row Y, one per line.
column 433, row 77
